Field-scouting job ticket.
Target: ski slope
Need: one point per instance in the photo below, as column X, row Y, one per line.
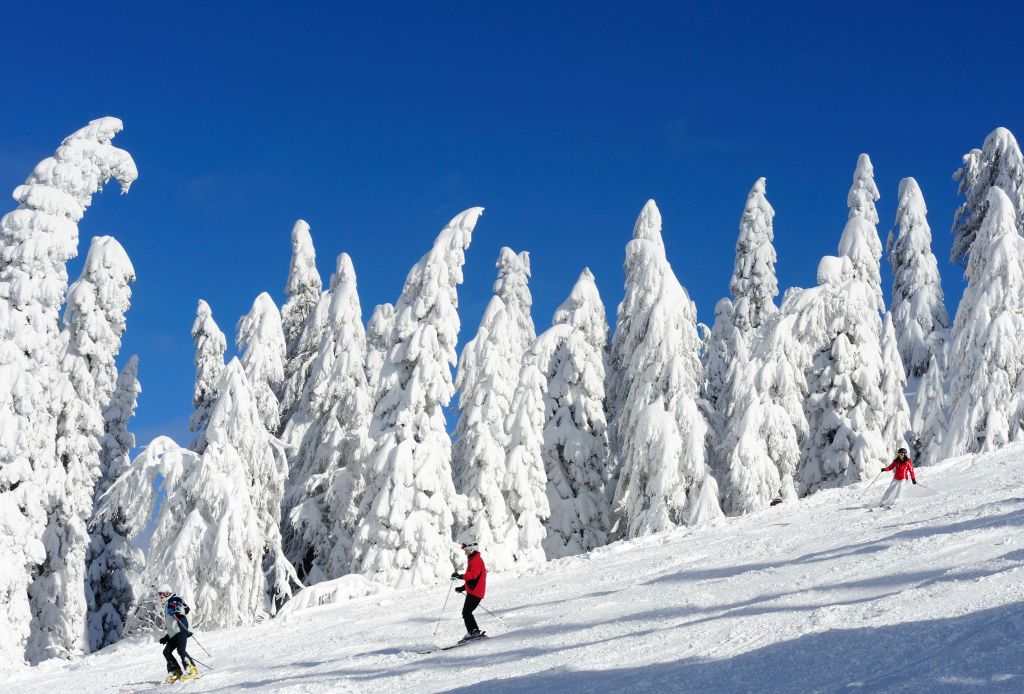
column 820, row 595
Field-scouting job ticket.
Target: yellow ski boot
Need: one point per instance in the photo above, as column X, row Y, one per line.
column 191, row 672
column 172, row 676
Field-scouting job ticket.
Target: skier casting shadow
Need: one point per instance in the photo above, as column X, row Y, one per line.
column 177, row 633
column 902, row 468
column 474, row 588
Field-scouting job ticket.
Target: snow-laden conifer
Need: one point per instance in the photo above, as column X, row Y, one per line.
column 94, row 320
column 576, row 449
column 860, row 241
column 918, row 312
column 721, row 345
column 929, row 424
column 261, row 341
column 986, row 362
column 525, row 478
column 410, row 503
column 486, row 382
column 210, row 344
column 659, row 429
column 998, row 164
column 36, row 241
column 753, row 284
column 378, row 336
column 336, row 405
column 839, row 323
column 512, row 287
column 113, row 563
column 303, row 292
column 896, row 427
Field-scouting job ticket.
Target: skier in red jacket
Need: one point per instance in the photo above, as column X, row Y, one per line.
column 474, row 588
column 902, row 468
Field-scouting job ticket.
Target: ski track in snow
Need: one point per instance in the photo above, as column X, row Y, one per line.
column 818, row 595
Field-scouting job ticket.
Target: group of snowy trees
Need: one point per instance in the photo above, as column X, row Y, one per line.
column 322, row 448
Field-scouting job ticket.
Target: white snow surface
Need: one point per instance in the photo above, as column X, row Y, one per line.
column 816, row 595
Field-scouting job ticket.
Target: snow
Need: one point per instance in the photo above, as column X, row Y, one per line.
column 819, row 595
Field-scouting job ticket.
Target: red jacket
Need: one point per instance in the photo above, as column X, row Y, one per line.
column 476, row 576
column 902, row 469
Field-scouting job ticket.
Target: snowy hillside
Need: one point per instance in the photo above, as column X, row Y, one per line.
column 818, row 595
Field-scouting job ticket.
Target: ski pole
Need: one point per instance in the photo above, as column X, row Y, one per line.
column 871, row 485
column 446, row 596
column 495, row 616
column 201, row 663
column 180, row 624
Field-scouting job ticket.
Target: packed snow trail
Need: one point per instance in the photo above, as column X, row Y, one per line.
column 819, row 595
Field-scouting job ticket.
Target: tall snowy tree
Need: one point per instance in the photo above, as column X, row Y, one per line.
column 210, row 347
column 486, row 384
column 986, row 364
column 998, row 164
column 846, row 409
column 918, row 312
column 929, row 424
column 896, row 427
column 410, row 503
column 576, row 449
column 526, row 480
column 659, row 429
column 261, row 340
column 378, row 335
column 94, row 319
column 860, row 241
column 303, row 292
column 753, row 284
column 336, row 403
column 113, row 563
column 512, row 287
column 36, row 241
column 719, row 358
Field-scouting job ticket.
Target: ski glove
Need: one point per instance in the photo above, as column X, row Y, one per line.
column 883, row 469
column 460, row 589
column 456, row 575
column 164, row 638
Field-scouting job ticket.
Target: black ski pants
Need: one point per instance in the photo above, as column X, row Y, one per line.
column 467, row 612
column 177, row 643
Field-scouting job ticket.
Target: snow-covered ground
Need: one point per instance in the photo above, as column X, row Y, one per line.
column 820, row 595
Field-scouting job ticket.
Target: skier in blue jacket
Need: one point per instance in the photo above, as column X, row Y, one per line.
column 177, row 633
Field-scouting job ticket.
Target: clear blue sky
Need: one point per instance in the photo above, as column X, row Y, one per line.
column 378, row 124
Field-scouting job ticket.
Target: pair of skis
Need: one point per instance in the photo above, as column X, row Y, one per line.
column 460, row 644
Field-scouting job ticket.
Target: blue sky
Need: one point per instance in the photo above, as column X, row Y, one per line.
column 378, row 123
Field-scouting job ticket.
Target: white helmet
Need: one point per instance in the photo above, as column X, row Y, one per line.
column 471, row 546
column 163, row 590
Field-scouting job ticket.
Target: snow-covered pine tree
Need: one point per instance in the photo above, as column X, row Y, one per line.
column 998, row 164
column 929, row 425
column 576, row 449
column 261, row 341
column 896, row 427
column 846, row 407
column 486, row 383
column 113, row 563
column 918, row 312
column 36, row 241
column 207, row 541
column 986, row 364
column 410, row 503
column 751, row 479
column 526, row 481
column 94, row 320
column 656, row 375
column 210, row 346
column 336, row 404
column 512, row 287
column 753, row 284
column 718, row 358
column 378, row 336
column 303, row 292
column 860, row 241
